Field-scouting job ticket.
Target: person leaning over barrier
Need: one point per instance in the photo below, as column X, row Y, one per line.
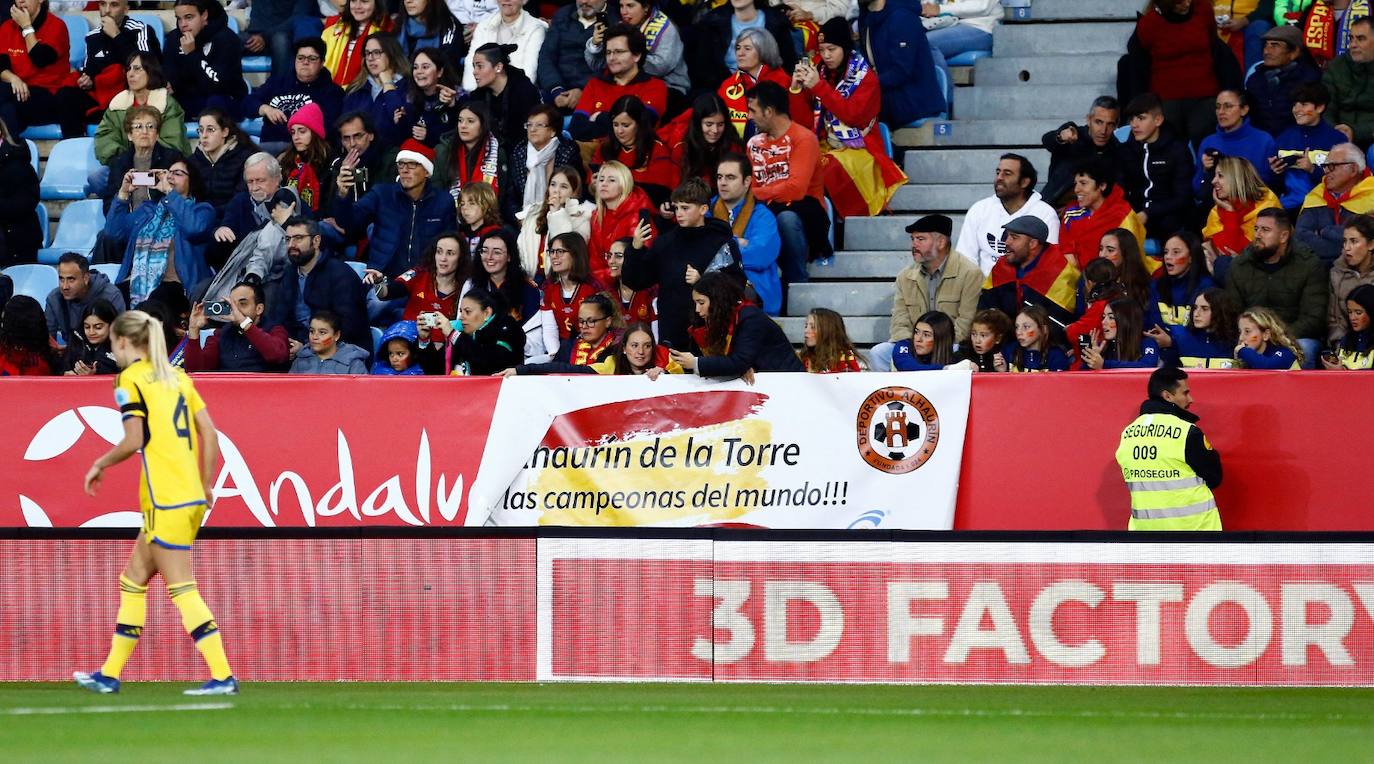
column 1169, row 466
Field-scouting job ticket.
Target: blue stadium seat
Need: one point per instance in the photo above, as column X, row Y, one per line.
column 43, row 133
column 257, row 64
column 90, row 130
column 43, row 223
column 76, row 230
column 252, row 126
column 70, row 163
column 154, row 22
column 233, row 23
column 33, row 153
column 111, row 270
column 357, row 267
column 36, row 281
column 967, row 58
column 376, row 341
column 77, row 27
column 1122, row 133
column 887, row 138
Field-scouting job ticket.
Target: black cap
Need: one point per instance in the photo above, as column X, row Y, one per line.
column 283, row 197
column 940, row 224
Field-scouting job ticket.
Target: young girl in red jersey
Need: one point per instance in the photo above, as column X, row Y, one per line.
column 635, row 306
column 434, row 286
column 570, row 283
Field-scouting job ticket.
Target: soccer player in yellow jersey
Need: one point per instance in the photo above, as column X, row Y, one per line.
column 166, row 419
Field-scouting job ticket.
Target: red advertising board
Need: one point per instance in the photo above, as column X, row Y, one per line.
column 1039, row 451
column 298, row 452
column 361, row 451
column 402, row 609
column 932, row 613
column 625, row 609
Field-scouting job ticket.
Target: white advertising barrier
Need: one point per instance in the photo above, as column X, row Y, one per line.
column 789, row 451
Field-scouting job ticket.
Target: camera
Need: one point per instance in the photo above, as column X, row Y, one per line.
column 602, row 18
column 1084, row 342
column 427, row 320
column 218, row 309
column 142, row 179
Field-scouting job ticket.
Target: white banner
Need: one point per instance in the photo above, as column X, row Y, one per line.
column 791, row 451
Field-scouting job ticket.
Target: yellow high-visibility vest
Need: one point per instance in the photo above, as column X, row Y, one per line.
column 1166, row 494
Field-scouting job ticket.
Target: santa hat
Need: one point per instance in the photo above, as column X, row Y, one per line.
column 414, row 151
column 311, row 117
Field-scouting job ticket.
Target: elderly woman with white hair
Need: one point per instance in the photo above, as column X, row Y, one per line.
column 757, row 59
column 714, row 40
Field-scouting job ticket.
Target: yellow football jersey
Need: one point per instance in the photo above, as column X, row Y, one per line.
column 171, row 452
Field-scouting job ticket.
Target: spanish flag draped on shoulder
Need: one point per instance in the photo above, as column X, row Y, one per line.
column 1233, row 230
column 1359, row 200
column 1049, row 281
column 1082, row 228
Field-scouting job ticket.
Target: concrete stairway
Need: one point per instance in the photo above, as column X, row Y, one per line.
column 1044, row 71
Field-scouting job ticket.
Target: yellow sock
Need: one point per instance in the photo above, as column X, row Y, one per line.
column 200, row 624
column 133, row 609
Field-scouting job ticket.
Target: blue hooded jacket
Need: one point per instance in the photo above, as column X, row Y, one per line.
column 402, row 227
column 910, row 88
column 403, row 330
column 195, row 225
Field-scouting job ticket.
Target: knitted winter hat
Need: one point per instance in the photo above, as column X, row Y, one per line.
column 311, row 117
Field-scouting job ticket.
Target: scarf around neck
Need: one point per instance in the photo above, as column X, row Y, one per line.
column 152, row 247
column 483, row 170
column 854, row 74
column 537, row 162
column 738, row 223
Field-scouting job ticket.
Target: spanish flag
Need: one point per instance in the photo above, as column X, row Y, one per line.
column 1082, row 229
column 1232, row 230
column 1050, row 281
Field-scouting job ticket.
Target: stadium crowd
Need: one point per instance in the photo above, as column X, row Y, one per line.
column 633, row 186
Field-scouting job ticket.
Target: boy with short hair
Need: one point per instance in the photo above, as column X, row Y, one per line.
column 1301, row 149
column 1157, row 168
column 680, row 256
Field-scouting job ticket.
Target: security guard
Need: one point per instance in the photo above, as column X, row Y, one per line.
column 1167, row 463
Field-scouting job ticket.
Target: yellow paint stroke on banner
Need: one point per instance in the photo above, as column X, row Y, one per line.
column 720, row 505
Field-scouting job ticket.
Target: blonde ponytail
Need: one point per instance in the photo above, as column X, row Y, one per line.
column 145, row 333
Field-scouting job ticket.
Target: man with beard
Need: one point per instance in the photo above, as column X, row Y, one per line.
column 1013, row 195
column 1281, row 273
column 321, row 283
column 1033, row 272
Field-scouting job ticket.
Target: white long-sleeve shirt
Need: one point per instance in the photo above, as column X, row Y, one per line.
column 527, row 33
column 980, row 14
column 980, row 237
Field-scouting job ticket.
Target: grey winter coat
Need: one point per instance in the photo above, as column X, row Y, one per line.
column 347, row 359
column 64, row 316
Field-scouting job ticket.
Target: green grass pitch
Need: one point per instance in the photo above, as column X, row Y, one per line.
column 683, row 722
